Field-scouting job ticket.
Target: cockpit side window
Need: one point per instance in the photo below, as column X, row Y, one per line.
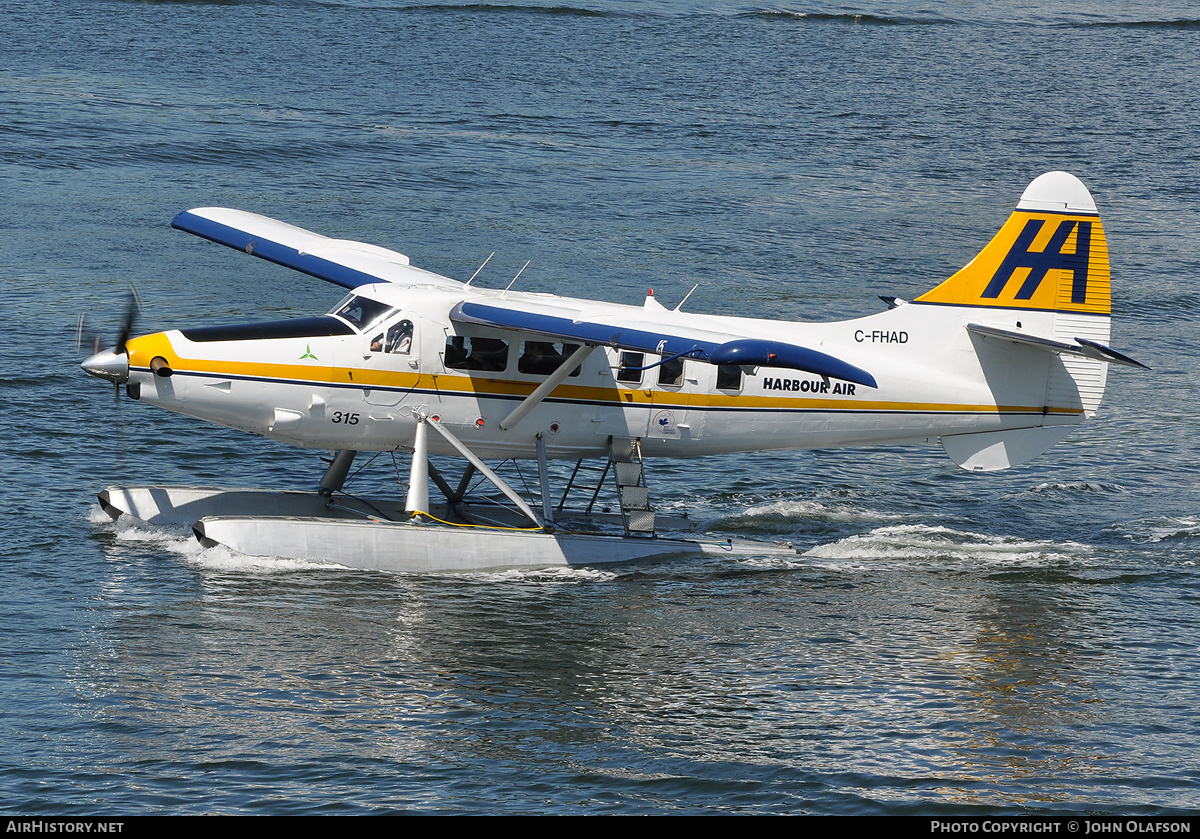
column 360, row 312
column 396, row 340
column 399, row 338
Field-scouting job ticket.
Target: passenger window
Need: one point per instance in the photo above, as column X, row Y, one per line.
column 670, row 373
column 544, row 357
column 631, row 359
column 729, row 377
column 455, row 357
column 467, row 353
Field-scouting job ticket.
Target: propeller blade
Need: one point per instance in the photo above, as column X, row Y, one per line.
column 131, row 313
column 86, row 337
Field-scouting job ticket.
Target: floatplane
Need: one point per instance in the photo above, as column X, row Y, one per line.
column 999, row 362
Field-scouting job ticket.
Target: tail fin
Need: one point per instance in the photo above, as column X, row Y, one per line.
column 1050, row 256
column 1049, row 263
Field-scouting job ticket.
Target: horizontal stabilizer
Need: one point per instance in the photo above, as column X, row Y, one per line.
column 663, row 339
column 991, row 451
column 1103, row 353
column 1082, row 346
column 343, row 262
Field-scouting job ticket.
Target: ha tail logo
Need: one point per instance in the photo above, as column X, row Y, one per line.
column 1040, row 263
column 1051, row 256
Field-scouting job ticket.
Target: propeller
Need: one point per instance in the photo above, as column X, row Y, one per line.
column 85, row 337
column 131, row 312
column 110, row 364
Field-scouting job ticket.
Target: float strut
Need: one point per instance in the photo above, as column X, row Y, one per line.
column 335, row 475
column 496, row 480
column 544, row 478
column 418, row 478
column 464, row 484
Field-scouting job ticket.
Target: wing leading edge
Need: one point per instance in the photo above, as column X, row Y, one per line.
column 666, row 341
column 340, row 261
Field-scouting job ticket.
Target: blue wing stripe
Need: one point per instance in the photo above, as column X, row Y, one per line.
column 754, row 352
column 223, row 234
column 598, row 334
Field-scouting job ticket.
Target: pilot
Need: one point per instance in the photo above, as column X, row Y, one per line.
column 400, row 338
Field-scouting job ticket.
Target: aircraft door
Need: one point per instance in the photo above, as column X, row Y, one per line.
column 391, row 360
column 672, row 416
column 629, row 415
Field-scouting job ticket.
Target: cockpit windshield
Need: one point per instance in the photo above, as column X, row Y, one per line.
column 360, row 312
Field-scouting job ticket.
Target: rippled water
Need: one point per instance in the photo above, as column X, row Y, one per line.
column 941, row 643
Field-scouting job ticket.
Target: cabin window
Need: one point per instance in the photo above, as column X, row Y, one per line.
column 471, row 353
column 360, row 312
column 544, row 357
column 670, row 372
column 729, row 377
column 635, row 360
column 397, row 339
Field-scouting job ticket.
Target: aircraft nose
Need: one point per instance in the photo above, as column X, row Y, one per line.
column 108, row 364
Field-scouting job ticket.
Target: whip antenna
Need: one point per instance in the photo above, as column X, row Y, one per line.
column 514, row 279
column 686, row 296
column 480, row 268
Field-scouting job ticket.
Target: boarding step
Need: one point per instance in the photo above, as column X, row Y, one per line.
column 625, row 455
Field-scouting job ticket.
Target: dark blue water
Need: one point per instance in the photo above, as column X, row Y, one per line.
column 947, row 643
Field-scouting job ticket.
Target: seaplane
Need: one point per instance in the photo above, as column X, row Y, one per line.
column 998, row 363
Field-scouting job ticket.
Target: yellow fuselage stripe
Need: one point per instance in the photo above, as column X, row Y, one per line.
column 145, row 348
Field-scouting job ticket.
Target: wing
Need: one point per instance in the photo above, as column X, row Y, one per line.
column 340, row 261
column 642, row 333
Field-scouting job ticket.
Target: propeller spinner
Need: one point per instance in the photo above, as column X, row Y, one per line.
column 113, row 364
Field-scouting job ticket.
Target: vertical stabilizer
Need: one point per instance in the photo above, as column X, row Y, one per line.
column 1051, row 255
column 1049, row 267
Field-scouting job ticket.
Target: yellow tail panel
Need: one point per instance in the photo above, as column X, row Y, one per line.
column 1051, row 255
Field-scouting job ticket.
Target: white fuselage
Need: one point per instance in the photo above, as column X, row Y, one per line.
column 361, row 391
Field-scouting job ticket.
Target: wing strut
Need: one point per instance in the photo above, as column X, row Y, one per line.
column 543, row 390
